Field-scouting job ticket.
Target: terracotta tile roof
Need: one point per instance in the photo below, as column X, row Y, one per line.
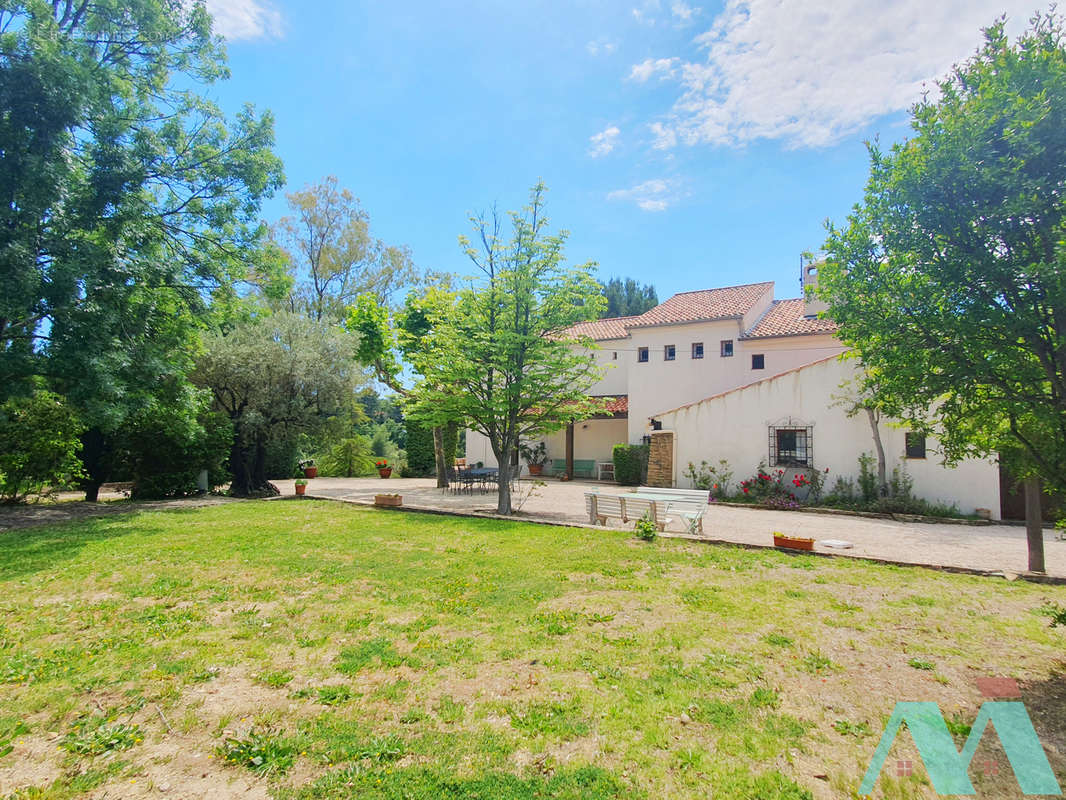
column 601, row 329
column 785, row 318
column 726, row 303
column 617, row 405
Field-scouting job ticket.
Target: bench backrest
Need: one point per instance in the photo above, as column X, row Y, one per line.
column 625, row 506
column 678, row 492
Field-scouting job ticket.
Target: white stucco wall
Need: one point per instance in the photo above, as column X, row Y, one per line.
column 659, row 385
column 593, row 439
column 614, row 359
column 734, row 426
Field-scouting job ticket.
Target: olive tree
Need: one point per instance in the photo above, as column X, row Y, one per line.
column 273, row 376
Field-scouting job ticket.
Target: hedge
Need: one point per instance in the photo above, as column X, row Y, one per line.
column 630, row 463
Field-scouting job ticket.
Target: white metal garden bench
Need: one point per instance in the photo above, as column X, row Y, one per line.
column 689, row 505
column 627, row 507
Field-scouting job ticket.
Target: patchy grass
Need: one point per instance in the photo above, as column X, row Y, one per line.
column 313, row 650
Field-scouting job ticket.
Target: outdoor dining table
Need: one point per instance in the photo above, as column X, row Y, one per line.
column 468, row 476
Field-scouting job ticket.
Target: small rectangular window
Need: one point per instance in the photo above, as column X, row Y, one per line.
column 727, row 348
column 669, row 352
column 758, row 361
column 614, row 356
column 642, row 354
column 697, row 349
column 915, row 444
column 791, row 446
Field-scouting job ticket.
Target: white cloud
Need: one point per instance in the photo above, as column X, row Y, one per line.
column 245, row 19
column 602, row 143
column 811, row 73
column 665, row 137
column 653, row 195
column 598, row 46
column 645, row 70
column 683, row 12
column 645, row 15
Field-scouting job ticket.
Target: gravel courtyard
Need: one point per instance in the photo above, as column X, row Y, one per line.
column 997, row 548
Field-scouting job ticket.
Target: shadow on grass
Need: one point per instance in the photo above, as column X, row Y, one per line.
column 31, row 550
column 1045, row 701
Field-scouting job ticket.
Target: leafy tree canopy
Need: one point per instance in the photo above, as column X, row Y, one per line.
column 626, row 298
column 273, row 376
column 495, row 352
column 327, row 242
column 129, row 200
column 949, row 278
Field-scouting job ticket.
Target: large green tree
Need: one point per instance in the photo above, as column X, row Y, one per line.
column 273, row 377
column 495, row 353
column 129, row 199
column 949, row 278
column 627, row 298
column 327, row 241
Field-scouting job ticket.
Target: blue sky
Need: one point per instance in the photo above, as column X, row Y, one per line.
column 687, row 145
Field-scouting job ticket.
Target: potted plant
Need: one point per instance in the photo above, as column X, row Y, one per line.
column 792, row 542
column 535, row 457
column 309, row 468
column 388, row 500
column 384, row 470
column 301, row 486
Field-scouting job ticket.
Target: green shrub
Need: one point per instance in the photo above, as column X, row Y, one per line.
column 645, row 528
column 868, row 479
column 715, row 479
column 421, row 460
column 38, row 445
column 347, row 458
column 167, row 446
column 630, row 463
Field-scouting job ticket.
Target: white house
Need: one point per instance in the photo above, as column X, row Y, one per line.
column 733, row 373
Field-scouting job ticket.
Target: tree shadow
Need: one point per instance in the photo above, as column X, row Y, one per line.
column 27, row 551
column 1045, row 700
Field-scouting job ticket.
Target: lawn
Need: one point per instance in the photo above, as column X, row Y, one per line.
column 309, row 649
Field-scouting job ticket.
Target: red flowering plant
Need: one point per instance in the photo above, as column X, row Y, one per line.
column 764, row 485
column 382, row 463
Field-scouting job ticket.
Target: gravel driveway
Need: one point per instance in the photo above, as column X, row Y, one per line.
column 994, row 548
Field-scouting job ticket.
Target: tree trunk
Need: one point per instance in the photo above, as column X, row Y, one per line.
column 503, row 479
column 882, row 472
column 441, row 457
column 241, row 485
column 96, row 459
column 503, row 500
column 1034, row 525
column 248, row 465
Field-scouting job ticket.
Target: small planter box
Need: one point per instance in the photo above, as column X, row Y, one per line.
column 793, row 542
column 388, row 500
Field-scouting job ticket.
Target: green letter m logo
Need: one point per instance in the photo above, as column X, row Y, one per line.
column 947, row 768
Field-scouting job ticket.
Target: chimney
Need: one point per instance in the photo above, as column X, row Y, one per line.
column 809, row 280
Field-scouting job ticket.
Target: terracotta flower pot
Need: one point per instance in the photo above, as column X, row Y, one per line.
column 793, row 542
column 310, row 472
column 536, row 469
column 386, row 472
column 301, row 488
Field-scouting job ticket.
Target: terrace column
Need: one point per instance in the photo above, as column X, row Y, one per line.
column 570, row 451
